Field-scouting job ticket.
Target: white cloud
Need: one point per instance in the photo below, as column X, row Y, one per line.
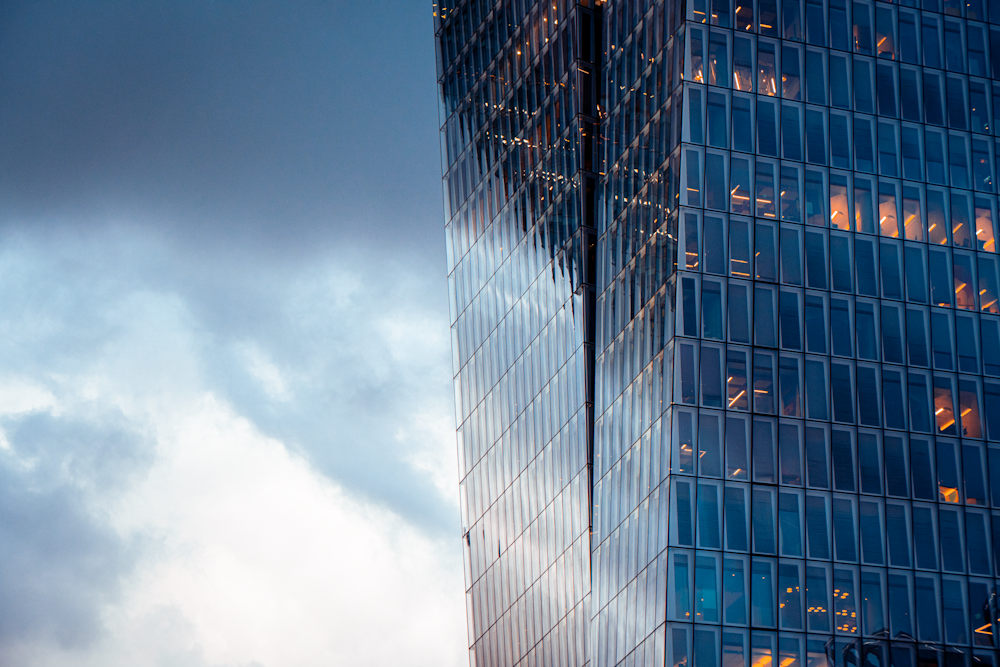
column 246, row 554
column 270, row 377
column 268, row 561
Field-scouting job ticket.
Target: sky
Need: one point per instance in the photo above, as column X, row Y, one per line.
column 226, row 407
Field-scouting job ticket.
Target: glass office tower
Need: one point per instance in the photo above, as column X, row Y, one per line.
column 796, row 385
column 519, row 88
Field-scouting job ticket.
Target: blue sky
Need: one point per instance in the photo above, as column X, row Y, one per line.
column 226, row 414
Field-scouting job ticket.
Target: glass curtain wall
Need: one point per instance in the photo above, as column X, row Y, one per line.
column 797, row 434
column 638, row 215
column 518, row 85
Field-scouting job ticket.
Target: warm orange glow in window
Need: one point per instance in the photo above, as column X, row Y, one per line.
column 948, row 494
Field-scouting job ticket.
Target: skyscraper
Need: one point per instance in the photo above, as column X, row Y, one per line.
column 786, row 401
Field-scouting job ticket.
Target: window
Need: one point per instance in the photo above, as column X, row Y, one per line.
column 816, row 136
column 840, row 262
column 909, row 94
column 791, row 132
column 916, row 337
column 767, row 77
column 885, row 33
column 718, row 120
column 886, row 90
column 931, row 41
column 840, row 82
column 790, row 326
column 839, row 31
column 767, row 134
column 912, row 153
column 933, row 98
column 791, row 72
column 815, row 260
column 865, row 322
column 841, row 327
column 815, row 76
column 816, row 329
column 742, row 118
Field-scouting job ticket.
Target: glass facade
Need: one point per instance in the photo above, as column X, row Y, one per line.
column 519, row 87
column 779, row 256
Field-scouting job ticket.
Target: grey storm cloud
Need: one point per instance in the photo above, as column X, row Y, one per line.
column 285, row 123
column 59, row 564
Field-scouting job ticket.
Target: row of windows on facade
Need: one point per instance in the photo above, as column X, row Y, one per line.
column 798, row 524
column 913, row 152
column 840, row 391
column 773, row 68
column 813, row 134
column 710, row 647
column 808, row 595
column 814, row 525
column 888, row 270
column 728, row 184
column 841, row 543
column 622, row 425
column 817, row 259
column 845, row 600
column 788, row 70
column 862, row 27
column 815, row 196
column 826, row 534
column 838, row 24
column 941, row 158
column 741, row 378
column 841, row 528
column 789, row 453
column 843, row 327
column 942, row 471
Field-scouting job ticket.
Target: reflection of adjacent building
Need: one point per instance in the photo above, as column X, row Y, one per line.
column 771, row 226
